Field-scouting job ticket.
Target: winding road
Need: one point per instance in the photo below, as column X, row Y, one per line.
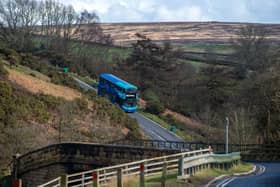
column 267, row 175
column 152, row 129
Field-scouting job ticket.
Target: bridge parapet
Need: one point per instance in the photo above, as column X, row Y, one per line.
column 186, row 163
column 249, row 152
column 51, row 161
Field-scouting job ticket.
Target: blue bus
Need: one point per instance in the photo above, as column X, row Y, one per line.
column 118, row 91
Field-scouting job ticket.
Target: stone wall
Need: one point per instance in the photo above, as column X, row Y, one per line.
column 47, row 163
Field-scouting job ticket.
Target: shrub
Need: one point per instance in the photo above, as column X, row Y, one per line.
column 3, row 71
column 7, row 51
column 134, row 131
column 150, row 95
column 82, row 104
column 6, row 103
column 154, row 107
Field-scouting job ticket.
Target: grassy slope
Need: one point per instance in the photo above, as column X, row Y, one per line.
column 38, row 84
column 100, row 52
column 202, row 47
column 39, row 106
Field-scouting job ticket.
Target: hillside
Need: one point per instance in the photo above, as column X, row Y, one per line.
column 182, row 32
column 34, row 111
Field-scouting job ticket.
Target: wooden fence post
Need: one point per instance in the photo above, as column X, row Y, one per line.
column 119, row 178
column 63, row 180
column 142, row 174
column 163, row 177
column 181, row 166
column 95, row 178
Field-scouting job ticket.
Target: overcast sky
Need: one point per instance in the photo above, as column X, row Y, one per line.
column 263, row 11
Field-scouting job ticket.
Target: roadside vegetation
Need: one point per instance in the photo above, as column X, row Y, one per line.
column 247, row 92
column 168, row 126
column 200, row 179
column 32, row 113
column 29, row 120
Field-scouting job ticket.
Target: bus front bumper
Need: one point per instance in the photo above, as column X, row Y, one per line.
column 129, row 109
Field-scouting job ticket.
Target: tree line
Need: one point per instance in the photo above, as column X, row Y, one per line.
column 23, row 21
column 248, row 93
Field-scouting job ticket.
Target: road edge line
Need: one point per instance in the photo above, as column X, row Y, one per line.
column 235, row 174
column 161, row 126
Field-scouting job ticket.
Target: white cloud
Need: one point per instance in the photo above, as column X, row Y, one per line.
column 123, row 11
column 181, row 10
column 192, row 13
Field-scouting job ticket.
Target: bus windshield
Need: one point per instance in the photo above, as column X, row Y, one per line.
column 131, row 91
column 130, row 102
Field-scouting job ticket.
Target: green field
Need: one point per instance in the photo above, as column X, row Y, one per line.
column 203, row 47
column 100, row 52
column 97, row 52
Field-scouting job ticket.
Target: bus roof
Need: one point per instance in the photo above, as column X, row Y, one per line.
column 119, row 82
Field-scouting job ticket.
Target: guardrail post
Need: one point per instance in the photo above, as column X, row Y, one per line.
column 119, row 178
column 142, row 174
column 163, row 178
column 63, row 180
column 83, row 179
column 95, row 178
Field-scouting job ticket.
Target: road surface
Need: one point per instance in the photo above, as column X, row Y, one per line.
column 153, row 129
column 266, row 175
column 150, row 128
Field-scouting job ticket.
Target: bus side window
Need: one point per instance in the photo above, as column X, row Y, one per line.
column 118, row 88
column 102, row 81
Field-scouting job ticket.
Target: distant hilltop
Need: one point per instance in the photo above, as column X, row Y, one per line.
column 181, row 32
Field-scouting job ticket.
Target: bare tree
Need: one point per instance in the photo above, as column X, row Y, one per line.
column 252, row 47
column 243, row 127
column 18, row 19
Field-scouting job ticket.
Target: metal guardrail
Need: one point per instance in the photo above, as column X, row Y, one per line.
column 103, row 176
column 210, row 158
column 84, row 85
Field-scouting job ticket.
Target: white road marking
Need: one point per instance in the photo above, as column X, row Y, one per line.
column 152, row 132
column 229, row 181
column 226, row 181
column 222, row 182
column 166, row 130
column 261, row 170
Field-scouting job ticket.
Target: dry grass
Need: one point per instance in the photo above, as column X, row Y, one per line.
column 190, row 123
column 123, row 33
column 36, row 85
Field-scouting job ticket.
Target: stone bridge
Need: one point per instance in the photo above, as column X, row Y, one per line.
column 39, row 166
